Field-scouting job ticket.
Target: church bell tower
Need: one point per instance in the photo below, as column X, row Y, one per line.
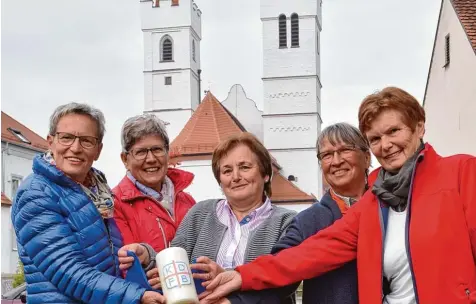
column 172, row 34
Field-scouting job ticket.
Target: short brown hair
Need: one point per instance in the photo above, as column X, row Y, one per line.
column 249, row 140
column 390, row 98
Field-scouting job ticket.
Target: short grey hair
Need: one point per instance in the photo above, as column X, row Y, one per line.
column 142, row 125
column 345, row 133
column 82, row 109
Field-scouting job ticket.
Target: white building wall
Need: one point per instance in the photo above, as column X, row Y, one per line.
column 291, row 132
column 291, row 61
column 174, row 121
column 450, row 101
column 271, row 8
column 297, row 207
column 292, row 95
column 291, row 87
column 300, row 164
column 182, row 24
column 167, row 15
column 9, row 247
column 204, row 185
column 16, row 164
column 245, row 110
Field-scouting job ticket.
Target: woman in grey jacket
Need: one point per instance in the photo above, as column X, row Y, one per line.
column 221, row 234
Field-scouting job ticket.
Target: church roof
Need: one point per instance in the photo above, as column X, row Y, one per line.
column 18, row 134
column 210, row 123
column 285, row 192
column 466, row 11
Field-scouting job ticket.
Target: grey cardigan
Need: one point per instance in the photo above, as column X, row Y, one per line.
column 201, row 232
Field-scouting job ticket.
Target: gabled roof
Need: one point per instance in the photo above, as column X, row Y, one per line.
column 466, row 11
column 18, row 134
column 6, row 200
column 285, row 192
column 210, row 123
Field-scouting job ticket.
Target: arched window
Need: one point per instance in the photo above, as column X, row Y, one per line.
column 193, row 50
column 167, row 48
column 283, row 39
column 294, row 30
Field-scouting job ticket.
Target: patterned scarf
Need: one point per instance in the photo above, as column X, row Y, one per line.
column 166, row 195
column 97, row 190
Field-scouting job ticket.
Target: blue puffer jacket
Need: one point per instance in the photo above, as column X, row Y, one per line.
column 68, row 250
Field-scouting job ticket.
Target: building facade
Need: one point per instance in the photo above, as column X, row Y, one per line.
column 19, row 147
column 292, row 88
column 450, row 95
column 172, row 34
column 291, row 118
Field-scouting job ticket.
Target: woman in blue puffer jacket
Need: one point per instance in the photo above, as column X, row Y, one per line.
column 63, row 219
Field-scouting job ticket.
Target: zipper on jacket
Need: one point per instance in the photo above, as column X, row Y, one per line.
column 163, row 232
column 165, row 209
column 383, row 229
column 407, row 229
column 111, row 245
column 407, row 234
column 467, row 292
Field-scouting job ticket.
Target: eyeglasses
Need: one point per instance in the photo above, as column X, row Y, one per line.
column 67, row 139
column 328, row 156
column 141, row 153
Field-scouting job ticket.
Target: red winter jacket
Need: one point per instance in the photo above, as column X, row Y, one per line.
column 440, row 237
column 142, row 220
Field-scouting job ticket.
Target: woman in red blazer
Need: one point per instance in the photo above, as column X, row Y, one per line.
column 150, row 202
column 413, row 233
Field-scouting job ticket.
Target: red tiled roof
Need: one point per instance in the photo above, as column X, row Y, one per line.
column 210, row 123
column 5, row 200
column 285, row 191
column 36, row 141
column 466, row 11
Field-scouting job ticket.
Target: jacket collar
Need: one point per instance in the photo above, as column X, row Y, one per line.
column 181, row 180
column 429, row 156
column 55, row 175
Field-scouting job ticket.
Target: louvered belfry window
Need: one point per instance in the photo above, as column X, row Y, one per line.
column 294, row 30
column 447, row 50
column 167, row 49
column 282, row 32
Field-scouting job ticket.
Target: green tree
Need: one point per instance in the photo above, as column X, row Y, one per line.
column 19, row 277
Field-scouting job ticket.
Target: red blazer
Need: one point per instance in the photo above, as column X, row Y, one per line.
column 142, row 220
column 440, row 233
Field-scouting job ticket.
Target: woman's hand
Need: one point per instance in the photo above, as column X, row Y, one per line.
column 209, row 268
column 224, row 284
column 152, row 297
column 153, row 277
column 126, row 261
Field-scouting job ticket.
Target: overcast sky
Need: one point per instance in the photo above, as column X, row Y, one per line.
column 57, row 51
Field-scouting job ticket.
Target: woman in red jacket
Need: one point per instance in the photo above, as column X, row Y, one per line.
column 413, row 234
column 149, row 201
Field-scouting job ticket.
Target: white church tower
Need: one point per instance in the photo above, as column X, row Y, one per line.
column 292, row 88
column 172, row 34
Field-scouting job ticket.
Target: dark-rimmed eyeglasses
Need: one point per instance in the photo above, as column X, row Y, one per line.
column 141, row 153
column 328, row 156
column 67, row 139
